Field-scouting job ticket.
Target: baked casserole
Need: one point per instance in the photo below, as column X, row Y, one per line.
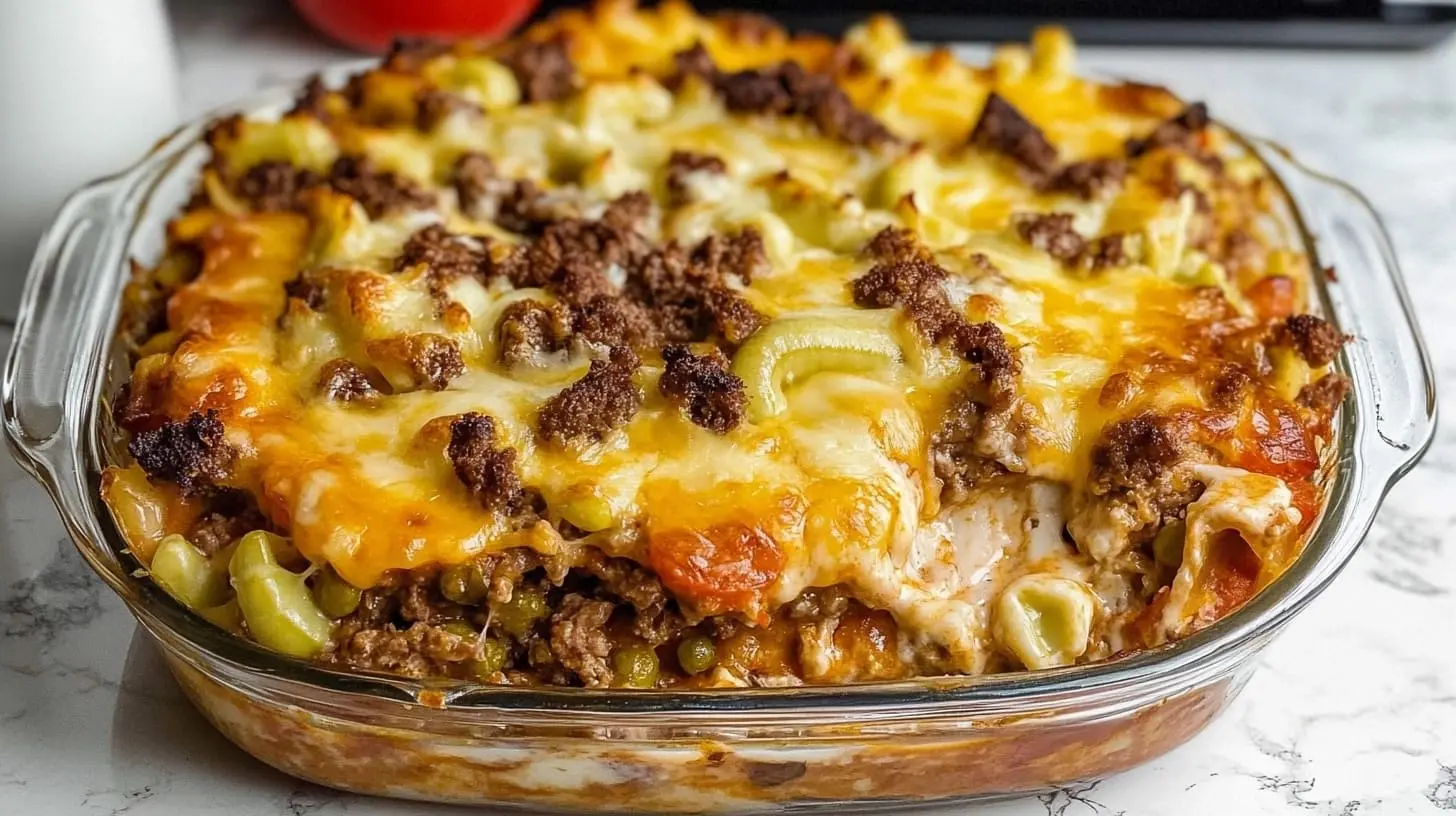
column 654, row 350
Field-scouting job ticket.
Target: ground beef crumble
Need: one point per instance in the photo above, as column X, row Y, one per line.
column 543, row 70
column 431, row 360
column 190, row 453
column 1180, row 132
column 229, row 514
column 683, row 164
column 1314, row 338
column 1133, row 452
column 578, row 640
column 446, row 255
column 590, row 408
column 1004, row 129
column 1090, row 180
column 787, row 89
column 529, row 329
column 1324, row 395
column 276, row 186
column 1051, row 233
column 703, row 387
column 378, row 192
column 343, row 380
column 488, row 472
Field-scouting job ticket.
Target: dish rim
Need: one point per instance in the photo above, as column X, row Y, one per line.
column 55, row 428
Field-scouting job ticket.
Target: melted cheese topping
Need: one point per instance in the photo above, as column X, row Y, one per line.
column 841, row 483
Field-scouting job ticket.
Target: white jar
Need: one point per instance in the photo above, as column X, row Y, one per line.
column 86, row 87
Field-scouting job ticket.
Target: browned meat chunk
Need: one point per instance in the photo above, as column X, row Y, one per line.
column 344, row 381
column 682, row 164
column 1053, row 234
column 489, row 473
column 897, row 244
column 1180, row 132
column 378, row 192
column 529, row 328
column 590, row 408
column 741, row 254
column 703, row 387
column 543, row 70
column 616, row 321
column 421, row 650
column 433, row 106
column 190, row 453
column 1314, row 338
column 446, row 254
column 1324, row 395
column 1133, row 453
column 1091, row 179
column 915, row 285
column 276, row 186
column 1003, row 129
column 229, row 515
column 431, row 360
column 786, row 89
column 578, row 640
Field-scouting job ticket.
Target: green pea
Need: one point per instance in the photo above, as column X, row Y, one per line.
column 493, row 654
column 187, row 575
column 697, row 654
column 335, row 596
column 460, row 628
column 518, row 615
column 463, row 584
column 636, row 666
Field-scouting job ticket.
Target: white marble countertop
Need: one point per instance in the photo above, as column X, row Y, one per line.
column 1350, row 713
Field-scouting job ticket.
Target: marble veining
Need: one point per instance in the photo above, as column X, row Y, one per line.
column 1352, row 711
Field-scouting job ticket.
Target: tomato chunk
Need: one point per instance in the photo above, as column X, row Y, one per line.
column 1272, row 297
column 725, row 567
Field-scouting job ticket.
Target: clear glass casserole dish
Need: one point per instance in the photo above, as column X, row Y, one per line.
column 879, row 746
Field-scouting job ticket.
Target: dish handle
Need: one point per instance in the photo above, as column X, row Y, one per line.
column 1394, row 385
column 56, row 317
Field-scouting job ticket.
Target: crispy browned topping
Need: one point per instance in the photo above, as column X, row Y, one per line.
column 984, row 346
column 1003, row 129
column 579, row 641
column 703, row 387
column 734, row 317
column 378, row 192
column 1324, row 395
column 1133, row 453
column 590, row 408
column 529, row 328
column 432, row 360
column 543, row 70
column 1314, row 338
column 433, row 106
column 1051, row 233
column 1089, row 180
column 344, row 381
column 897, row 244
column 683, row 163
column 190, row 453
column 1180, row 132
column 488, row 472
column 1229, row 386
column 275, row 186
column 915, row 285
column 786, row 89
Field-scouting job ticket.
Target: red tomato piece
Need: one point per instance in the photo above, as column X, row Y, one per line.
column 1282, row 445
column 371, row 25
column 1272, row 297
column 728, row 566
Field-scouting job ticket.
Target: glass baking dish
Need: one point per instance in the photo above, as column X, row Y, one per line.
column 878, row 746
